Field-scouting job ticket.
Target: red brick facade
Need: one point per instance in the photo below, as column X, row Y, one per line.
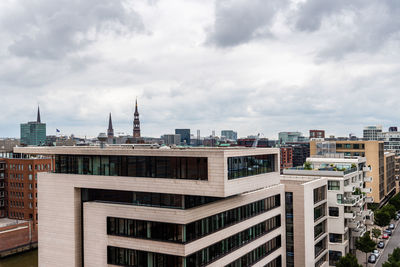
column 17, row 235
column 286, row 157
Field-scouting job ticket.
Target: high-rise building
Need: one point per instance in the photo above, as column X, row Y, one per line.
column 374, row 153
column 161, row 207
column 33, row 133
column 229, row 134
column 327, row 207
column 317, row 134
column 372, row 132
column 110, row 131
column 136, row 123
column 285, row 137
column 185, row 136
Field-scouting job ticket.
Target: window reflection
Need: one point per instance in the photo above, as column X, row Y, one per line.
column 250, row 165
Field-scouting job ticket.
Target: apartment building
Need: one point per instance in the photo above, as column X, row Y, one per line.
column 347, row 216
column 2, row 190
column 286, row 159
column 373, row 151
column 21, row 175
column 306, row 221
column 391, row 141
column 119, row 206
column 390, row 177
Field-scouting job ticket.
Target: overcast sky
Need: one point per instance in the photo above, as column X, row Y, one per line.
column 255, row 66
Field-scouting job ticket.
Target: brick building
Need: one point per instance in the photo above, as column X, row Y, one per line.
column 21, row 186
column 286, row 157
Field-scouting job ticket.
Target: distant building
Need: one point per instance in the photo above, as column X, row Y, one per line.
column 286, row 157
column 136, row 123
column 301, row 151
column 285, row 137
column 33, row 133
column 317, row 134
column 248, row 142
column 393, row 129
column 171, row 139
column 391, row 141
column 372, row 132
column 185, row 135
column 7, row 145
column 110, row 131
column 229, row 134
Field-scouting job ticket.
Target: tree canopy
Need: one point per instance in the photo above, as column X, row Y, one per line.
column 348, row 261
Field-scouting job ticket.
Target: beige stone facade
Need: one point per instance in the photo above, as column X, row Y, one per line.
column 74, row 233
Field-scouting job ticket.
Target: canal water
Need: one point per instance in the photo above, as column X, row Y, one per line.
column 26, row 259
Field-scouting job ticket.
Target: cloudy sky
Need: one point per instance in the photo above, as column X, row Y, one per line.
column 255, row 66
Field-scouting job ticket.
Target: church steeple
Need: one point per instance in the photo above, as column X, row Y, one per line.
column 38, row 115
column 110, row 130
column 136, row 122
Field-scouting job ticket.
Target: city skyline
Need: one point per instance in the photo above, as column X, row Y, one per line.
column 293, row 66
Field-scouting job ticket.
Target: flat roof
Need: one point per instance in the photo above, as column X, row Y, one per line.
column 9, row 222
column 139, row 150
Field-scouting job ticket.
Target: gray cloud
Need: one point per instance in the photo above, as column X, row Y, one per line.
column 49, row 29
column 238, row 21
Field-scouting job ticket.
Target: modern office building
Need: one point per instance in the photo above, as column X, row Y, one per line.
column 301, row 151
column 171, row 139
column 185, row 136
column 33, row 133
column 347, row 216
column 306, row 221
column 249, row 142
column 373, row 151
column 372, row 132
column 393, row 129
column 229, row 134
column 285, row 137
column 391, row 141
column 317, row 134
column 119, row 206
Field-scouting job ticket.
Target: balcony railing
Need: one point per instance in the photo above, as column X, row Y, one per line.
column 369, row 199
column 366, row 190
column 360, row 231
column 349, row 215
column 349, row 188
column 367, row 169
column 368, row 179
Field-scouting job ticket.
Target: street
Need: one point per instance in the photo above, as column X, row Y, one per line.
column 390, row 244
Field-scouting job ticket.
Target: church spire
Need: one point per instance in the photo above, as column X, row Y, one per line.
column 38, row 115
column 136, row 122
column 110, row 130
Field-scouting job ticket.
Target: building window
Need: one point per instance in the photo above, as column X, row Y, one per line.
column 319, row 212
column 334, row 257
column 289, row 229
column 339, row 198
column 334, row 211
column 250, row 165
column 333, row 185
column 30, row 177
column 193, row 168
column 320, row 247
column 319, row 194
column 259, row 253
column 319, row 229
column 335, row 238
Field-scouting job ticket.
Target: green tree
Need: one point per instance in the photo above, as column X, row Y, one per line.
column 382, row 218
column 390, row 209
column 307, row 165
column 395, row 201
column 365, row 244
column 394, row 259
column 376, row 233
column 348, row 261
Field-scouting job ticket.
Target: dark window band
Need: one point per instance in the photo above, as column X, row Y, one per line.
column 192, row 231
column 259, row 253
column 194, row 168
column 239, row 167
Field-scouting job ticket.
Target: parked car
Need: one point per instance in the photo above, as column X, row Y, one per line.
column 372, row 258
column 388, row 231
column 376, row 253
column 391, row 226
column 385, row 236
column 397, row 217
column 381, row 244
